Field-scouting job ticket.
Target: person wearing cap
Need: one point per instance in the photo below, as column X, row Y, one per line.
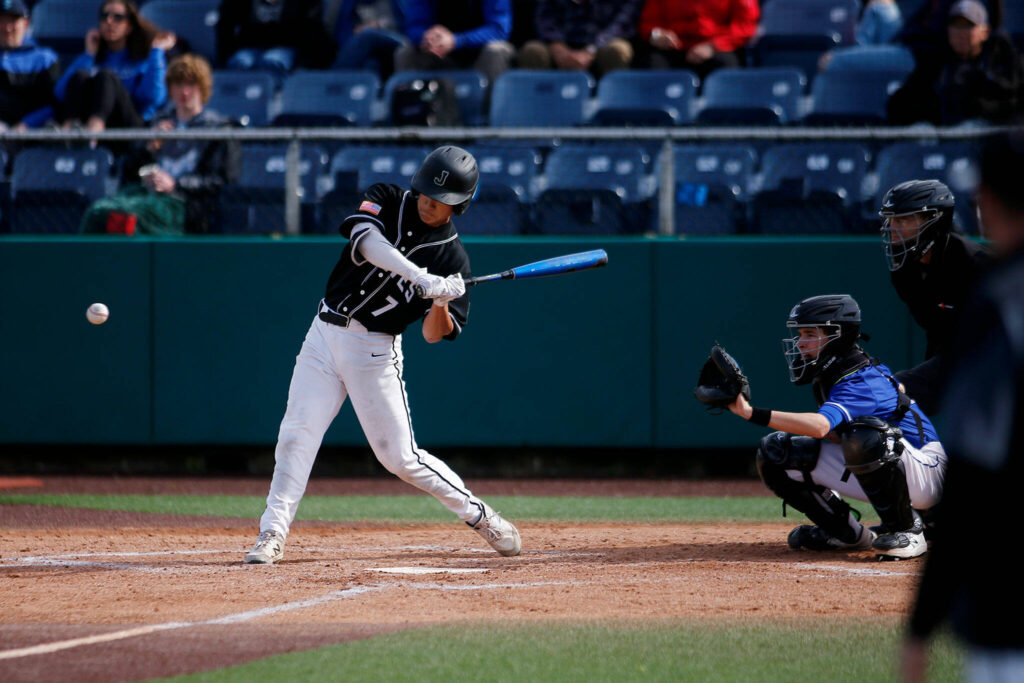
column 977, row 77
column 28, row 72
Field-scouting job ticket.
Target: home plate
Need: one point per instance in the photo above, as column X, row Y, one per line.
column 426, row 570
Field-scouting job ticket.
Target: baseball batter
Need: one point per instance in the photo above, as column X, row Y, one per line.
column 398, row 240
column 868, row 440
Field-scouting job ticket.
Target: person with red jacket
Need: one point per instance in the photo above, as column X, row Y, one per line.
column 699, row 35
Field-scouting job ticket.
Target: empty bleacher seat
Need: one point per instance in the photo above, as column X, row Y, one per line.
column 752, row 96
column 954, row 163
column 52, row 187
column 328, row 98
column 712, row 184
column 256, row 202
column 194, row 21
column 637, row 97
column 62, row 25
column 1013, row 22
column 470, row 90
column 797, row 32
column 355, row 168
column 509, row 182
column 851, row 98
column 811, row 188
column 244, row 96
column 530, row 98
column 592, row 189
column 885, row 58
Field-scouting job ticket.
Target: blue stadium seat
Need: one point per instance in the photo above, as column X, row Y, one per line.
column 599, row 188
column 355, row 168
column 797, row 32
column 884, row 58
column 62, row 25
column 954, row 163
column 52, row 187
column 509, row 182
column 244, row 96
column 255, row 203
column 328, row 98
column 811, row 188
column 527, row 98
column 752, row 96
column 195, row 21
column 470, row 90
column 639, row 97
column 851, row 98
column 712, row 184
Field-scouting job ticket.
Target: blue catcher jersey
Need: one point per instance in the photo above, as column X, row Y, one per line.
column 868, row 391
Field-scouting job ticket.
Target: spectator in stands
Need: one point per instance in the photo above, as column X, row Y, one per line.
column 28, row 72
column 880, row 22
column 274, row 35
column 699, row 35
column 582, row 36
column 463, row 34
column 118, row 82
column 368, row 33
column 979, row 77
column 924, row 30
column 171, row 186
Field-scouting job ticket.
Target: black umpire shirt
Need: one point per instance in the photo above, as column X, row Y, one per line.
column 383, row 301
column 935, row 292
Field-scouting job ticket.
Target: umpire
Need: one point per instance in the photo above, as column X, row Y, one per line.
column 985, row 401
column 933, row 268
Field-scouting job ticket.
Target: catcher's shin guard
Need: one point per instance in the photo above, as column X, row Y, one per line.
column 872, row 450
column 780, row 452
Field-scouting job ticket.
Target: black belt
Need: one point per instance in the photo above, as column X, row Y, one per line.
column 329, row 316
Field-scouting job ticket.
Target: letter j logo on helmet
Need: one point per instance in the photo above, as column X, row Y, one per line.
column 439, row 180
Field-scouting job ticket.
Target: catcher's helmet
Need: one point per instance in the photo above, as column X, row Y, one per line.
column 929, row 197
column 838, row 315
column 448, row 175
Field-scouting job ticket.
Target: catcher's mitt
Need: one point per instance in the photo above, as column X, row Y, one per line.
column 721, row 380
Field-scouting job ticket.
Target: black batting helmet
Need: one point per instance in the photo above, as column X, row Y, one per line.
column 929, row 197
column 839, row 316
column 448, row 175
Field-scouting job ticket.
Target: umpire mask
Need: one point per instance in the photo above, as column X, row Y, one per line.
column 933, row 202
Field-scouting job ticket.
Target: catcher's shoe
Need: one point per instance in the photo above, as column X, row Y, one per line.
column 499, row 532
column 901, row 545
column 815, row 538
column 269, row 548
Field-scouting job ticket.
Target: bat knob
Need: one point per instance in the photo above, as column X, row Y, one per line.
column 420, row 292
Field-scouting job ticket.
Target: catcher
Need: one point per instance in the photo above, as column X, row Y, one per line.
column 867, row 440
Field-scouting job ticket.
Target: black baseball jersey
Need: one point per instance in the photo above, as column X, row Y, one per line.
column 383, row 301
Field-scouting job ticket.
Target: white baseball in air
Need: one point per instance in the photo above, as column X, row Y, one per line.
column 97, row 314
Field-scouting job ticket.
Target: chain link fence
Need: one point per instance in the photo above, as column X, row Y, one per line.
column 559, row 181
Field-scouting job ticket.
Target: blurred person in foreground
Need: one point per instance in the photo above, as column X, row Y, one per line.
column 985, row 401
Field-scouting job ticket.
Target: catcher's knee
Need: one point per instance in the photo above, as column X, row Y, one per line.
column 779, row 452
column 869, row 444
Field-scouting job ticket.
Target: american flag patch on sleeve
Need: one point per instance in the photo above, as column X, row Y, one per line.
column 370, row 207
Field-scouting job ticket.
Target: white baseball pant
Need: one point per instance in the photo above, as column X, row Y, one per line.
column 336, row 363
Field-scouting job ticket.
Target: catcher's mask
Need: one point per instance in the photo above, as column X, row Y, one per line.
column 929, row 198
column 825, row 328
column 448, row 175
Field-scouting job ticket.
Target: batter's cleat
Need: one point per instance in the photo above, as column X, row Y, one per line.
column 499, row 532
column 901, row 545
column 815, row 538
column 269, row 548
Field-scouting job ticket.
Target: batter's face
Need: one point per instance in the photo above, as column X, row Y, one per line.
column 432, row 212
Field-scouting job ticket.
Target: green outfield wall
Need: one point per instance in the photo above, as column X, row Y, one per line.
column 203, row 334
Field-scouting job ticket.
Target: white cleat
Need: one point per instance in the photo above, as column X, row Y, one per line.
column 269, row 548
column 901, row 545
column 500, row 533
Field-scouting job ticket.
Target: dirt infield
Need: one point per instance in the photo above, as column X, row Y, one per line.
column 87, row 595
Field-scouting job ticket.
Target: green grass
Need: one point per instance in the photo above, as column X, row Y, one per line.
column 423, row 508
column 832, row 649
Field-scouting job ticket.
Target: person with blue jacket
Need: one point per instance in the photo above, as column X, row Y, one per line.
column 28, row 72
column 118, row 82
column 457, row 34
